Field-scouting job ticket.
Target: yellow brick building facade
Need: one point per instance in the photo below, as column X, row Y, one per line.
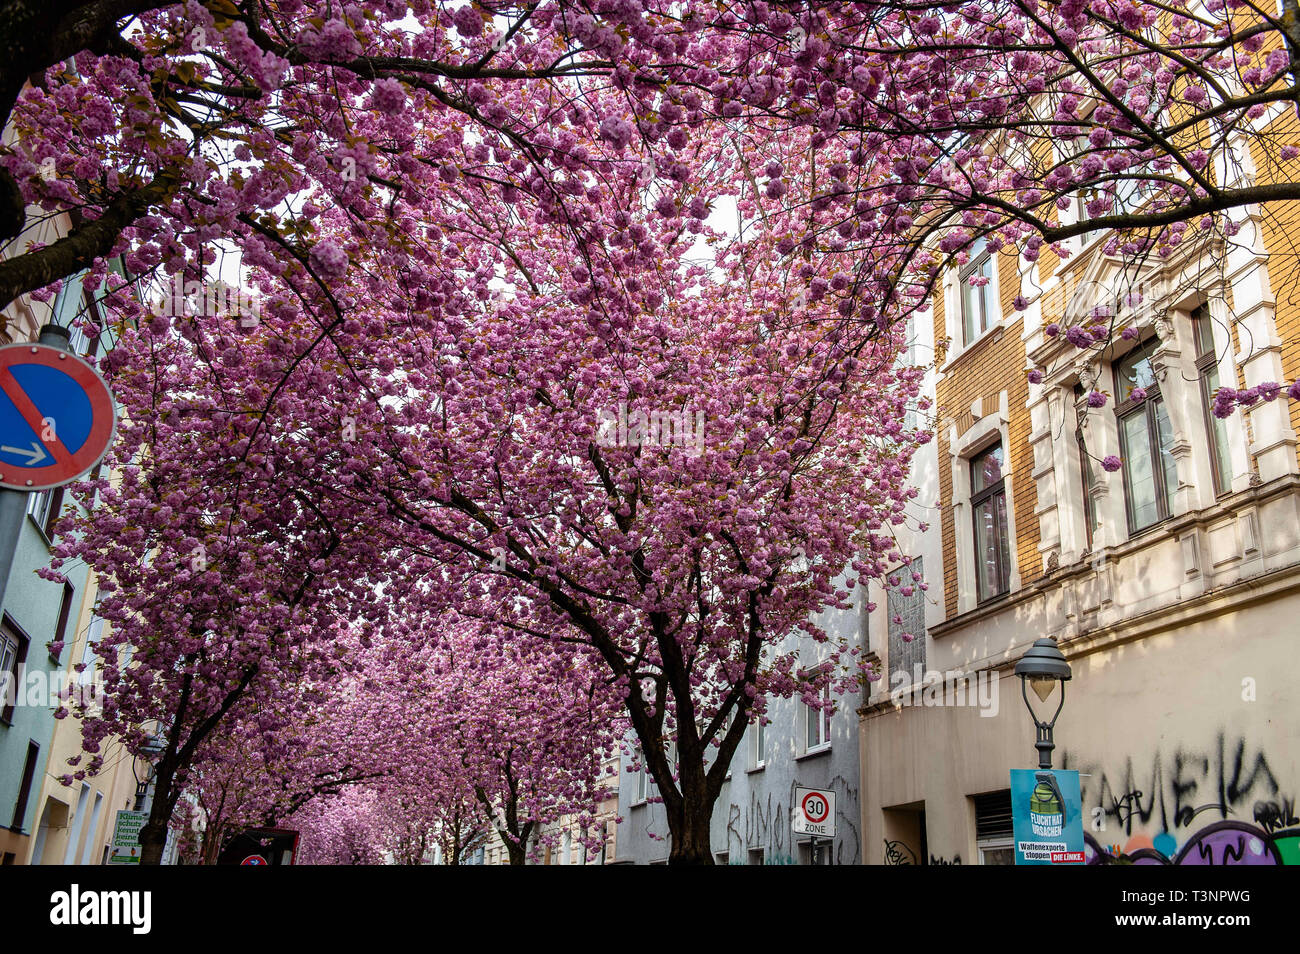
column 1171, row 584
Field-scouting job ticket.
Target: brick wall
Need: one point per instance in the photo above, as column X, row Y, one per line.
column 994, row 364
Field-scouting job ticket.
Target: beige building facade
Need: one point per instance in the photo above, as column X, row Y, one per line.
column 1157, row 543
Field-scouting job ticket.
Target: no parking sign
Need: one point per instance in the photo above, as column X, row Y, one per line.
column 57, row 418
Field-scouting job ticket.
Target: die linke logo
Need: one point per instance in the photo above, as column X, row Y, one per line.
column 76, row 907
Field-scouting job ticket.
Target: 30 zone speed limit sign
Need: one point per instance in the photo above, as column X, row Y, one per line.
column 814, row 812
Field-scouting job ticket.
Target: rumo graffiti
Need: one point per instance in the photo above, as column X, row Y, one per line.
column 766, row 824
column 1220, row 806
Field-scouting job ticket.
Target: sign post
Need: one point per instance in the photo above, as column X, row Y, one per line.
column 1047, row 817
column 57, row 420
column 814, row 814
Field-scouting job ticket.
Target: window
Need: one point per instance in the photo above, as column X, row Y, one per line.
column 44, row 508
column 1207, row 369
column 993, row 828
column 977, row 306
column 65, row 611
column 70, row 307
column 641, row 787
column 25, row 788
column 758, row 745
column 1145, row 435
column 13, row 654
column 815, row 854
column 89, row 657
column 906, row 618
column 1127, row 190
column 755, row 856
column 817, row 723
column 1090, row 520
column 989, row 507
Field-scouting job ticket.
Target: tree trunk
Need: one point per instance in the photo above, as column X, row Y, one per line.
column 517, row 852
column 153, row 836
column 153, row 839
column 689, row 827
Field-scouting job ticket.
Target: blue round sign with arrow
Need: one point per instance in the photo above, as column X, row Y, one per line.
column 57, row 417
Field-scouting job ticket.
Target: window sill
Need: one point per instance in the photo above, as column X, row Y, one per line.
column 990, row 600
column 813, row 753
column 41, row 530
column 1151, row 527
column 992, row 333
column 756, row 769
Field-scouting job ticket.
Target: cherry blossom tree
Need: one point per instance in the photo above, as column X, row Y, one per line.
column 340, row 829
column 669, row 464
column 503, row 361
column 220, row 585
column 525, row 725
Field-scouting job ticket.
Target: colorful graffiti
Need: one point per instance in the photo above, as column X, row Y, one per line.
column 1220, row 843
column 1220, row 805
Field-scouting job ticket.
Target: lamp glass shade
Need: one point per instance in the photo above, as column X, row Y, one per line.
column 1042, row 686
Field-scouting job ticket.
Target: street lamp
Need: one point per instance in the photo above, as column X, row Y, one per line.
column 150, row 751
column 1041, row 668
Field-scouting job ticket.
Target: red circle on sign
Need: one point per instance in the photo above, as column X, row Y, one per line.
column 826, row 807
column 253, row 860
column 68, row 465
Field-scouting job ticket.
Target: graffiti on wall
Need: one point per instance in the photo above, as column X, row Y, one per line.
column 1219, row 843
column 897, row 853
column 765, row 824
column 1221, row 805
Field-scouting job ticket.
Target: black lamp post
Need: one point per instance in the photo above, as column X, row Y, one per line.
column 1041, row 668
column 152, row 748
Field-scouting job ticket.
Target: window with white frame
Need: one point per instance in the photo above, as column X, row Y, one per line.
column 641, row 787
column 817, row 723
column 1145, row 438
column 1091, row 522
column 90, row 658
column 44, row 508
column 13, row 656
column 976, row 293
column 69, row 308
column 988, row 500
column 757, row 744
column 1207, row 371
column 9, row 646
